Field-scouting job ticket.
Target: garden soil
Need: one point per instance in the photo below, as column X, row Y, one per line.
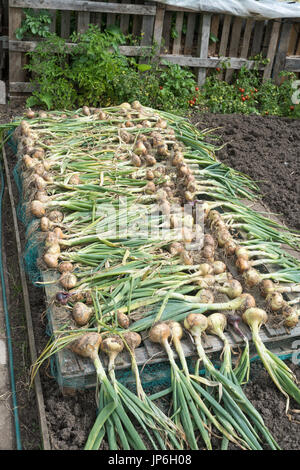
column 267, row 149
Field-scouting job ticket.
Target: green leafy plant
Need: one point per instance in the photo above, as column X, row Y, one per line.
column 95, row 73
column 248, row 93
column 35, row 23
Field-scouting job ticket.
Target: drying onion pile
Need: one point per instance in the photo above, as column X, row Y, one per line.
column 92, row 180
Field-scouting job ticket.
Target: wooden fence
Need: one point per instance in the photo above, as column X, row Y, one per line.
column 199, row 40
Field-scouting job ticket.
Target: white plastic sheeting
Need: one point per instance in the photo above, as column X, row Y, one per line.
column 245, row 8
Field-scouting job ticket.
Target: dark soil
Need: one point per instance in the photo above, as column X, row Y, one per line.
column 256, row 146
column 268, row 150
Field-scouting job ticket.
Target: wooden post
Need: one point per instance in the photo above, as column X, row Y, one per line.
column 158, row 27
column 234, row 43
column 178, row 28
column 204, row 33
column 282, row 52
column 247, row 37
column 16, row 72
column 83, row 20
column 272, row 49
column 65, row 24
column 257, row 37
column 190, row 31
column 147, row 28
column 214, row 29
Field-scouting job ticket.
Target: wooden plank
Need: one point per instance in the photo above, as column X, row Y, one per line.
column 247, row 37
column 27, row 309
column 124, row 21
column 111, row 17
column 27, row 46
column 52, row 26
column 147, row 29
column 293, row 40
column 257, row 37
column 83, row 20
column 203, row 45
column 210, row 62
column 190, row 31
column 225, row 35
column 158, row 27
column 80, row 5
column 234, row 44
column 281, row 52
column 166, row 33
column 292, row 64
column 16, row 73
column 214, row 29
column 267, row 37
column 178, row 29
column 20, row 87
column 272, row 49
column 96, row 19
column 65, row 24
column 137, row 22
column 298, row 47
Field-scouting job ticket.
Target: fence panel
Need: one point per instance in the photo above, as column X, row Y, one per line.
column 201, row 41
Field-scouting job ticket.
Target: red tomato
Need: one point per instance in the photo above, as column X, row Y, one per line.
column 196, row 89
column 292, row 108
column 218, row 69
column 242, row 90
column 243, row 98
column 247, row 97
column 160, row 87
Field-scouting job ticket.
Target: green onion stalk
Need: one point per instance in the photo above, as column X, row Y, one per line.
column 190, row 410
column 160, row 434
column 216, row 323
column 282, row 376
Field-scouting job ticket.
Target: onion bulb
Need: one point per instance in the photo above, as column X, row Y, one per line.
column 123, row 320
column 275, row 301
column 291, row 317
column 196, row 323
column 81, row 313
column 86, row 110
column 37, row 209
column 65, row 267
column 159, row 333
column 87, row 345
column 132, row 339
column 68, row 281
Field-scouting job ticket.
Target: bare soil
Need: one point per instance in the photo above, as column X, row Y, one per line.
column 255, row 145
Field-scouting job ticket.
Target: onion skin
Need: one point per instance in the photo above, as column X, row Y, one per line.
column 87, row 345
column 205, row 296
column 51, row 260
column 68, row 281
column 81, row 313
column 65, row 266
column 112, row 345
column 275, row 301
column 248, row 302
column 123, row 320
column 291, row 317
column 216, row 322
column 132, row 339
column 218, row 267
column 45, row 224
column 266, row 287
column 196, row 323
column 255, row 317
column 37, row 209
column 159, row 333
